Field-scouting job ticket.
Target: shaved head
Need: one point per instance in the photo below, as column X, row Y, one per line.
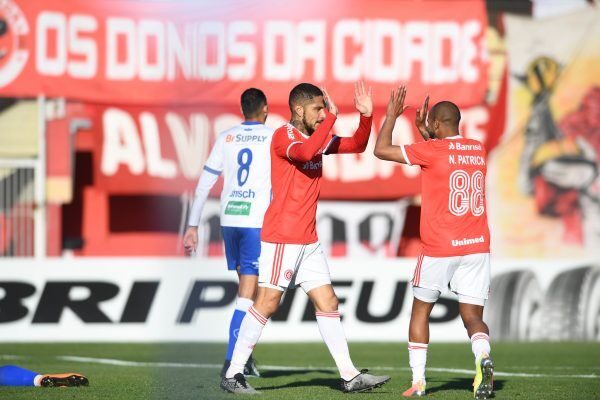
column 446, row 113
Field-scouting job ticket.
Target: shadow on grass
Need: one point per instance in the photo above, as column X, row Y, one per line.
column 465, row 384
column 327, row 382
column 331, row 383
column 288, row 372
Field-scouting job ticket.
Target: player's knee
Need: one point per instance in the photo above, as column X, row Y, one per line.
column 248, row 286
column 466, row 323
column 246, row 292
column 328, row 304
column 471, row 319
column 271, row 307
column 267, row 305
column 332, row 304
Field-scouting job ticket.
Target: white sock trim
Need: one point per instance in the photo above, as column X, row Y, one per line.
column 258, row 316
column 480, row 343
column 243, row 304
column 480, row 336
column 37, row 381
column 332, row 314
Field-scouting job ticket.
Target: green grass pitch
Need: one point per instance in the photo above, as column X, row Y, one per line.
column 303, row 371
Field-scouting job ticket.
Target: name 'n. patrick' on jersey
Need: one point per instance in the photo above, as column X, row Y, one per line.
column 296, row 170
column 453, row 208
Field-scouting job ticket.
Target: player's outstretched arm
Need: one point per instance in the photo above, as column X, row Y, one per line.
column 357, row 143
column 303, row 152
column 384, row 149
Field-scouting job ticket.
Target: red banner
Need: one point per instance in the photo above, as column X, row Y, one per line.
column 162, row 150
column 130, row 52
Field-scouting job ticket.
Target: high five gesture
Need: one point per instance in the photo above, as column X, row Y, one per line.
column 363, row 100
column 384, row 149
column 421, row 120
column 329, row 104
column 396, row 106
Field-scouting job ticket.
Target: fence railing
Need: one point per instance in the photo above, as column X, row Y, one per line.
column 18, row 206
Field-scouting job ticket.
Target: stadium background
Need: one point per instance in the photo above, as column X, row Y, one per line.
column 109, row 109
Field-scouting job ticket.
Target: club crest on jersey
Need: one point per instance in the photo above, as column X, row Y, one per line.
column 288, row 275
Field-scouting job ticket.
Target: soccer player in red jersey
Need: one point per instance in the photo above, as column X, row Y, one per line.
column 291, row 254
column 454, row 230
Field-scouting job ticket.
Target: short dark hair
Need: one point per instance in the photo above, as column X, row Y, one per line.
column 253, row 100
column 302, row 92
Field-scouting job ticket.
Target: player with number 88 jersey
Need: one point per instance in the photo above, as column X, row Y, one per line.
column 454, row 231
column 453, row 217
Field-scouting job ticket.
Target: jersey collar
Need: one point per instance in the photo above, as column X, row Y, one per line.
column 251, row 123
column 296, row 129
column 454, row 137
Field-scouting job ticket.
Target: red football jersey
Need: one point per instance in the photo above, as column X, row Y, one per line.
column 291, row 216
column 453, row 214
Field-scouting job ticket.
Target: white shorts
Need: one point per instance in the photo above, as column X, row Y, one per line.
column 282, row 265
column 468, row 276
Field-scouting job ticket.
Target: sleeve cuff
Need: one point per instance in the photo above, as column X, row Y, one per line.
column 404, row 154
column 212, row 171
column 331, row 142
column 287, row 152
column 330, row 115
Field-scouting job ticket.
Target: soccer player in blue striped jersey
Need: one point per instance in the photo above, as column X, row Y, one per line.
column 242, row 155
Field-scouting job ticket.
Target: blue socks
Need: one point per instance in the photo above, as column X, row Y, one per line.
column 241, row 306
column 11, row 375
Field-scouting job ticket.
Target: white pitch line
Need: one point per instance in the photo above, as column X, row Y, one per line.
column 11, row 357
column 125, row 363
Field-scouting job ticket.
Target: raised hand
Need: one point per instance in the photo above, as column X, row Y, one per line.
column 396, row 106
column 363, row 100
column 331, row 107
column 384, row 149
column 420, row 120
